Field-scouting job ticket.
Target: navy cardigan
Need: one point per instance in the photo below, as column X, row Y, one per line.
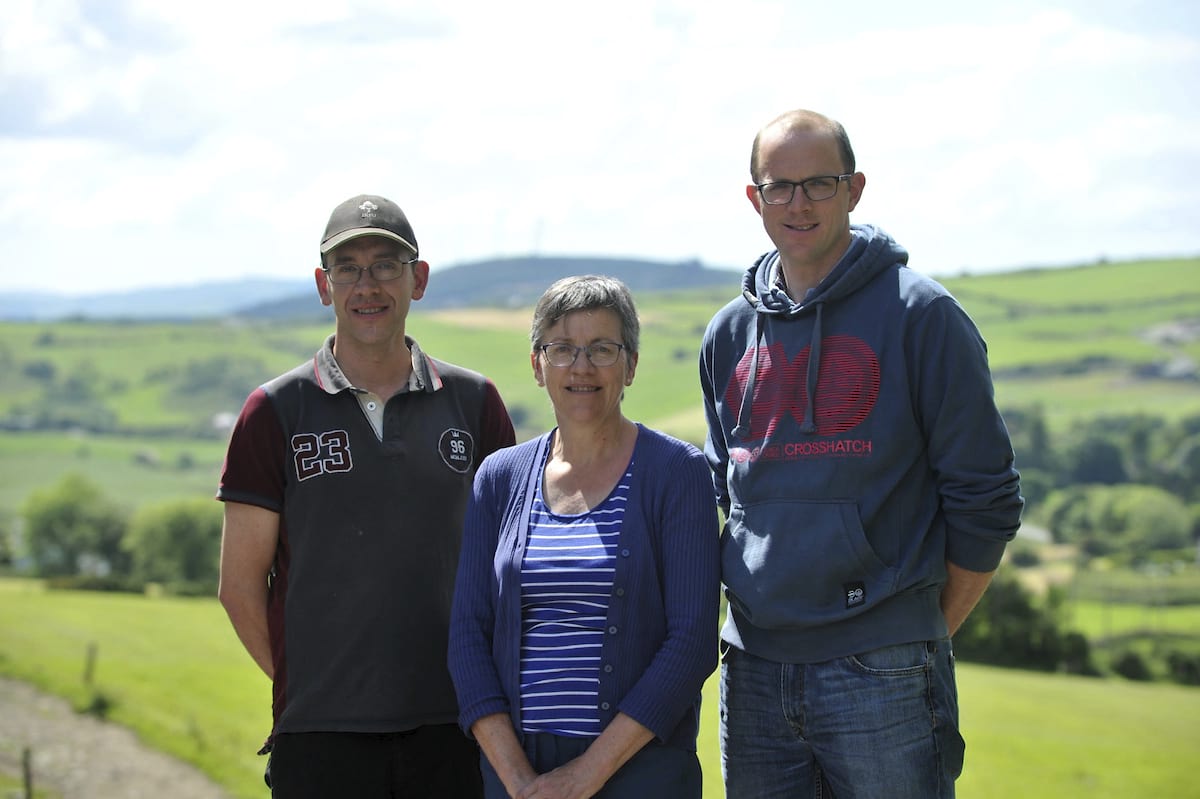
column 661, row 630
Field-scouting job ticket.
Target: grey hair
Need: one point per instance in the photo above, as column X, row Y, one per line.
column 586, row 293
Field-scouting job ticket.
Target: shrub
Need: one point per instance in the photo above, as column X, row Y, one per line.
column 1009, row 627
column 1024, row 557
column 1132, row 666
column 1183, row 667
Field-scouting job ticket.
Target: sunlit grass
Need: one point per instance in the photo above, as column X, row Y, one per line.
column 1032, row 319
column 174, row 671
column 170, row 669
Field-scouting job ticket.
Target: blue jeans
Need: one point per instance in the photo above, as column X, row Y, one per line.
column 879, row 724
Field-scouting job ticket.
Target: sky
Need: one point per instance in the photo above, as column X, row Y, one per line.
column 147, row 144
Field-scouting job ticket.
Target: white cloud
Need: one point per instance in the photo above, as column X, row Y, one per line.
column 194, row 140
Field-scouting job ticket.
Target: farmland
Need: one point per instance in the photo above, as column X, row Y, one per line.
column 173, row 670
column 142, row 411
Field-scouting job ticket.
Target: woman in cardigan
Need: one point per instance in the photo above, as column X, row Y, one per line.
column 586, row 603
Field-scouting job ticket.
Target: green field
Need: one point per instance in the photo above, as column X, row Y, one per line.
column 1077, row 341
column 1081, row 342
column 173, row 670
column 132, row 471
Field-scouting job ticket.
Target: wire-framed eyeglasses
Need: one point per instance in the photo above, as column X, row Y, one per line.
column 781, row 192
column 383, row 271
column 561, row 354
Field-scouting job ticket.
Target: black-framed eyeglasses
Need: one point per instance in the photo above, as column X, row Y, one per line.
column 781, row 192
column 383, row 271
column 561, row 354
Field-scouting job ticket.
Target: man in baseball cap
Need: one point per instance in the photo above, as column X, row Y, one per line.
column 345, row 486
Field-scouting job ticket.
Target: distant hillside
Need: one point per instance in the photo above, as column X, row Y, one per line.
column 518, row 282
column 1075, row 343
column 505, row 282
column 171, row 303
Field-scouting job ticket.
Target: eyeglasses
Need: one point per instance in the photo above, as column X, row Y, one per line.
column 602, row 353
column 781, row 192
column 383, row 271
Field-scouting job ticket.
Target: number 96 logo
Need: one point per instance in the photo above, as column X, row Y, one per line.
column 457, row 449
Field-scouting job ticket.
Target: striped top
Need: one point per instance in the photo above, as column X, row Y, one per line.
column 566, row 579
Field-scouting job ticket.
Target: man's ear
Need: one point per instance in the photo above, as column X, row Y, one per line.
column 420, row 279
column 323, row 288
column 755, row 200
column 858, row 182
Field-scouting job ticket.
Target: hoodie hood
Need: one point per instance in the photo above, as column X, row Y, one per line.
column 871, row 251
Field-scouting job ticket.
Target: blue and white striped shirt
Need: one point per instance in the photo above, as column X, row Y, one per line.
column 566, row 580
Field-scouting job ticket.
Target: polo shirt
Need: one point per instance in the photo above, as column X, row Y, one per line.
column 369, row 536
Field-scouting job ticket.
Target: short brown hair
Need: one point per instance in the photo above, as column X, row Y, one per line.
column 801, row 119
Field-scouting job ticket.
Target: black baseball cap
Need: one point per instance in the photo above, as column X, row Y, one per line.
column 367, row 215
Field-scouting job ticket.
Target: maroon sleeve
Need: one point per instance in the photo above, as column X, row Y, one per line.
column 253, row 472
column 496, row 428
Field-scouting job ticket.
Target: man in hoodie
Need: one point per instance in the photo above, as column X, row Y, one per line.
column 869, row 489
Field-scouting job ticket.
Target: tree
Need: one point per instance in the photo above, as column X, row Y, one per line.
column 7, row 540
column 1149, row 518
column 1096, row 460
column 1068, row 514
column 1030, row 437
column 1132, row 666
column 1183, row 468
column 1036, row 485
column 71, row 528
column 176, row 542
column 1132, row 519
column 1009, row 628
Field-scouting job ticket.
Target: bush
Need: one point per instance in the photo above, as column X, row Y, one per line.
column 91, row 582
column 178, row 541
column 1009, row 627
column 1024, row 557
column 1132, row 666
column 1076, row 655
column 1129, row 518
column 72, row 528
column 1183, row 667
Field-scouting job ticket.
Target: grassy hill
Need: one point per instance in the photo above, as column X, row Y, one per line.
column 1092, row 340
column 173, row 670
column 141, row 408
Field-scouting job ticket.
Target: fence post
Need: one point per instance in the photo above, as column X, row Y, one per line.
column 89, row 666
column 27, row 770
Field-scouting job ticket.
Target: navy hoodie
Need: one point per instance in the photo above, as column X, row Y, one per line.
column 856, row 447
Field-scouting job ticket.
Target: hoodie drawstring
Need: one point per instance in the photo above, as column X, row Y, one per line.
column 809, row 425
column 742, row 429
column 871, row 252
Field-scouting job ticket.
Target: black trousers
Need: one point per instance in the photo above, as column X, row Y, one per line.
column 434, row 761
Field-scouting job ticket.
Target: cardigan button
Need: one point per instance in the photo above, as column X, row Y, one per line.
column 620, row 592
column 612, row 630
column 608, row 668
column 624, row 553
column 604, row 706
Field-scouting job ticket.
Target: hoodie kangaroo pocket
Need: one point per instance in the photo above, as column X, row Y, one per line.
column 800, row 564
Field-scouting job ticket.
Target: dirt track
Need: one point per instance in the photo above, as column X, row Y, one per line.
column 80, row 757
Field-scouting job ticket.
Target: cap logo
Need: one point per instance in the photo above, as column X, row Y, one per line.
column 368, row 209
